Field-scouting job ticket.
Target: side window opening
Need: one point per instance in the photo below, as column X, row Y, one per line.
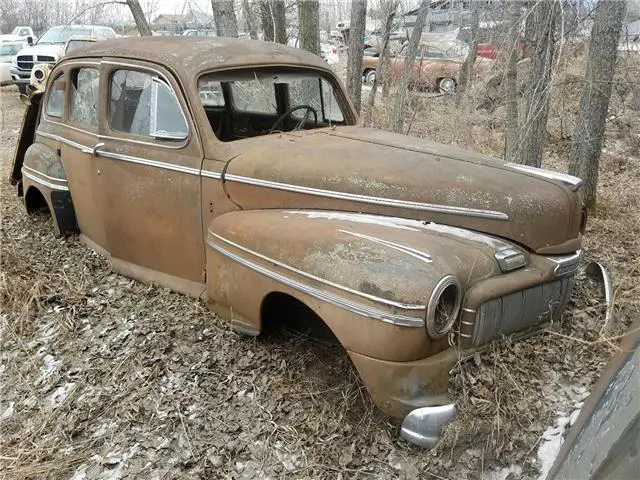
column 143, row 104
column 55, row 100
column 83, row 102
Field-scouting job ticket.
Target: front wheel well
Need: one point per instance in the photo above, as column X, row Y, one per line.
column 35, row 202
column 280, row 310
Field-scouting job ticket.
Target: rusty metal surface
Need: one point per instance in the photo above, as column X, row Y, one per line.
column 465, row 189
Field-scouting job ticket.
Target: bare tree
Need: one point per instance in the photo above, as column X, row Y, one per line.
column 541, row 50
column 225, row 19
column 397, row 117
column 355, row 52
column 309, row 25
column 247, row 13
column 586, row 143
column 511, row 82
column 266, row 20
column 389, row 7
column 279, row 21
column 138, row 16
column 466, row 71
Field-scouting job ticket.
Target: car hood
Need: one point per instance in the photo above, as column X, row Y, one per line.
column 49, row 49
column 373, row 171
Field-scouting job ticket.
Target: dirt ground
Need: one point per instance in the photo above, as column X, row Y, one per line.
column 105, row 377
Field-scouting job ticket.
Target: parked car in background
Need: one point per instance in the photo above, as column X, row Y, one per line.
column 496, row 50
column 49, row 48
column 77, row 42
column 8, row 51
column 236, row 171
column 19, row 34
column 329, row 53
column 200, row 33
column 437, row 66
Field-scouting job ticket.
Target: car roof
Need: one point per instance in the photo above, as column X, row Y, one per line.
column 197, row 54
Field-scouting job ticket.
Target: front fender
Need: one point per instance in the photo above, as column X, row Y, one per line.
column 370, row 278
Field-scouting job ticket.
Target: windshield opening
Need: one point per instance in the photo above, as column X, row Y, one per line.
column 250, row 103
column 62, row 34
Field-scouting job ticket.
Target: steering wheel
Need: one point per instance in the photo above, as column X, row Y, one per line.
column 286, row 114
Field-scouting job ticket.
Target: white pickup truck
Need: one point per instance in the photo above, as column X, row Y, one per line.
column 18, row 34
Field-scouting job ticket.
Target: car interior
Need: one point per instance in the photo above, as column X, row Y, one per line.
column 249, row 103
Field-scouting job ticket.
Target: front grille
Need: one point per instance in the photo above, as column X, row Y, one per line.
column 45, row 58
column 25, row 62
column 521, row 310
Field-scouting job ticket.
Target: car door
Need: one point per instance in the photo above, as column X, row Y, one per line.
column 78, row 135
column 149, row 175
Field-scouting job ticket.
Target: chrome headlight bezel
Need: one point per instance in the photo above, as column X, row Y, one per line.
column 447, row 290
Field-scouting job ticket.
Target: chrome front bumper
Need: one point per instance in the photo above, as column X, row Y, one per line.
column 423, row 426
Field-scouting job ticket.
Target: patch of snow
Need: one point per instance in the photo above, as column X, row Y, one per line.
column 503, row 473
column 551, row 442
column 60, row 394
column 50, row 366
column 8, row 413
column 3, row 368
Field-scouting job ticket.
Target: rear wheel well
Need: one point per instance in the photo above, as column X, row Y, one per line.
column 280, row 310
column 35, row 202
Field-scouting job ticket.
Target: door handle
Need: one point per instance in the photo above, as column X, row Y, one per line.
column 94, row 150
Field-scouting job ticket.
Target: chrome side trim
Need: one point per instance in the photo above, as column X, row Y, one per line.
column 425, row 257
column 574, row 183
column 32, row 170
column 150, row 163
column 403, row 306
column 210, row 174
column 469, row 310
column 340, row 302
column 390, row 202
column 126, row 158
column 44, row 182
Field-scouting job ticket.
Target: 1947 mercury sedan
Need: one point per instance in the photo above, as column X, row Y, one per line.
column 234, row 170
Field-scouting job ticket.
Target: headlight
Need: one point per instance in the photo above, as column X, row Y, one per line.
column 443, row 307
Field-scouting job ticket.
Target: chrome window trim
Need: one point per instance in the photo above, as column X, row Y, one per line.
column 403, row 306
column 425, row 257
column 470, row 212
column 33, row 170
column 53, row 186
column 574, row 183
column 321, row 295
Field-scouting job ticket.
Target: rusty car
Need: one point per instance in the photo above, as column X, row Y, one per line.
column 437, row 66
column 235, row 171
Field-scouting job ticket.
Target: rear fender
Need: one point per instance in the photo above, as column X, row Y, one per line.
column 42, row 169
column 369, row 278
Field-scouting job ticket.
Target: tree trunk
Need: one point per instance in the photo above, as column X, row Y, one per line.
column 266, row 19
column 511, row 83
column 586, row 144
column 138, row 16
column 279, row 21
column 224, row 16
column 397, row 117
column 390, row 10
column 541, row 49
column 247, row 11
column 309, row 25
column 355, row 51
column 466, row 71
